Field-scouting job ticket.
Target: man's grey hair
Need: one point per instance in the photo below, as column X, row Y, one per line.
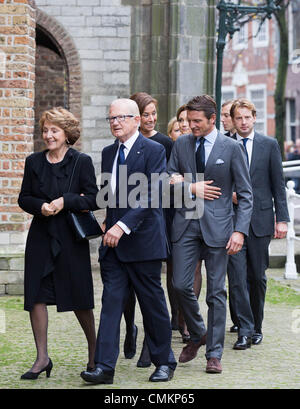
column 131, row 105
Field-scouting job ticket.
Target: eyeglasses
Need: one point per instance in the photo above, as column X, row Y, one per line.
column 118, row 118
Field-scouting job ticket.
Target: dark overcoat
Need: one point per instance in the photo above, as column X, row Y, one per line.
column 50, row 246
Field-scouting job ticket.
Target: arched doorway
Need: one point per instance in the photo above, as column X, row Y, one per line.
column 51, row 83
column 58, row 71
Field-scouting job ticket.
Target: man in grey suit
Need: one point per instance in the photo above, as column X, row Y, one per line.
column 208, row 231
column 249, row 265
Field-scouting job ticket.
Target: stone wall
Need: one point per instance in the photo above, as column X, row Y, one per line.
column 17, row 45
column 172, row 51
column 100, row 31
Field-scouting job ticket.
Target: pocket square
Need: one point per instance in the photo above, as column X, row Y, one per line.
column 219, row 161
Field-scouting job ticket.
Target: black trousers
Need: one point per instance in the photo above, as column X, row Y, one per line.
column 248, row 282
column 257, row 263
column 145, row 278
column 239, row 300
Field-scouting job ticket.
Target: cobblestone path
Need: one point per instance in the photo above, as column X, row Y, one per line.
column 273, row 364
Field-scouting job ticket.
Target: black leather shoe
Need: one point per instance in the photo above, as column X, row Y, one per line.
column 257, row 338
column 243, row 342
column 98, row 376
column 234, row 328
column 162, row 374
column 130, row 343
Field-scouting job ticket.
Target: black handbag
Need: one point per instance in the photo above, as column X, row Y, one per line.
column 83, row 224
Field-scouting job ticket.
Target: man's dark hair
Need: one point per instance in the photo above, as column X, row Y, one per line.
column 203, row 103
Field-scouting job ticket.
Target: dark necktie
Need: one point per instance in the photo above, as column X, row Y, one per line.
column 244, row 143
column 120, row 161
column 200, row 156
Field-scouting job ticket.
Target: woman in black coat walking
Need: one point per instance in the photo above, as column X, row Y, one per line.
column 57, row 267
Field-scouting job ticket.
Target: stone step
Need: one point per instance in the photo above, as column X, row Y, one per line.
column 12, row 274
column 12, row 277
column 10, row 262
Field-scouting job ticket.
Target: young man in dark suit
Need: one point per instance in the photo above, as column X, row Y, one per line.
column 265, row 166
column 230, row 131
column 133, row 246
column 226, row 118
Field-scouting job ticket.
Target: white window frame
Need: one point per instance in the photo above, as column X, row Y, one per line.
column 236, row 45
column 228, row 88
column 259, row 87
column 257, row 42
column 288, row 122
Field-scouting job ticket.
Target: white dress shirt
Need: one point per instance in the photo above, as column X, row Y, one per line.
column 249, row 144
column 128, row 145
column 209, row 142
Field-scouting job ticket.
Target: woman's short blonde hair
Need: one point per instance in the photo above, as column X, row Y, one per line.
column 65, row 120
column 171, row 124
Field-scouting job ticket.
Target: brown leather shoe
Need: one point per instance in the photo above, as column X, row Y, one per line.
column 190, row 351
column 213, row 366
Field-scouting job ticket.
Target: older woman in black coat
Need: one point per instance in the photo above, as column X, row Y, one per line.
column 57, row 267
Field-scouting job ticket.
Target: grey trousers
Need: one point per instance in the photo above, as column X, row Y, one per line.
column 186, row 252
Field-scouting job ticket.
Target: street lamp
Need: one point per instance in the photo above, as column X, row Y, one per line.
column 230, row 19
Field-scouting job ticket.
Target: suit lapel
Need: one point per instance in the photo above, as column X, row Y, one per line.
column 257, row 152
column 109, row 158
column 216, row 152
column 191, row 152
column 135, row 153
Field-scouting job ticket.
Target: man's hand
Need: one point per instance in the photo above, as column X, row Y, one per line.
column 204, row 190
column 112, row 236
column 235, row 243
column 234, row 198
column 176, row 178
column 280, row 230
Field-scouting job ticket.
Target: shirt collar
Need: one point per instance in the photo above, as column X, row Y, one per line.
column 211, row 137
column 129, row 143
column 239, row 137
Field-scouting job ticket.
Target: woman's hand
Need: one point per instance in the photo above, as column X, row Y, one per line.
column 204, row 190
column 57, row 205
column 84, row 211
column 47, row 210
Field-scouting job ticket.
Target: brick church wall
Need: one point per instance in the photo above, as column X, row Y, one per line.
column 17, row 61
column 17, row 32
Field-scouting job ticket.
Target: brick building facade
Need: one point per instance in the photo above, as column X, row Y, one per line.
column 250, row 71
column 83, row 54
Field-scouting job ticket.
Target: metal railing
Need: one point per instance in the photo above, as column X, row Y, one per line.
column 291, row 169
